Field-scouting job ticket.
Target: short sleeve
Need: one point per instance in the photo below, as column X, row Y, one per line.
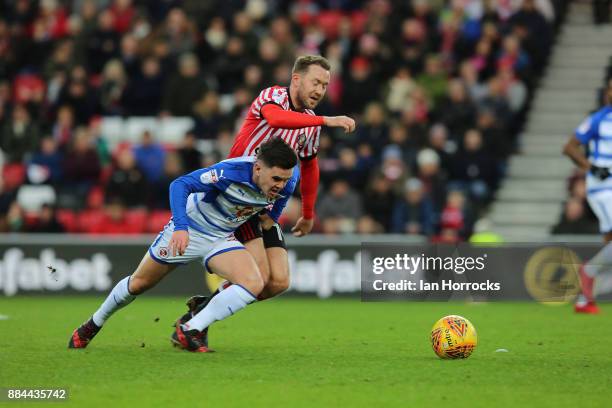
column 586, row 130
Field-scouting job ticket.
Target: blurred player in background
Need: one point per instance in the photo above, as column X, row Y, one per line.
column 595, row 132
column 286, row 113
column 208, row 205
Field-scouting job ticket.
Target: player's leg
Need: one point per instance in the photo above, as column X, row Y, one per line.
column 250, row 235
column 278, row 261
column 238, row 267
column 601, row 204
column 147, row 275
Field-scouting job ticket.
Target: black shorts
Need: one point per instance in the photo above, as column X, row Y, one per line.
column 272, row 238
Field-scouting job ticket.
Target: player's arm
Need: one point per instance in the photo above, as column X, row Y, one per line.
column 309, row 186
column 202, row 180
column 573, row 149
column 279, row 118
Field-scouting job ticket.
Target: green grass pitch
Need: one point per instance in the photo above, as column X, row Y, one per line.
column 296, row 352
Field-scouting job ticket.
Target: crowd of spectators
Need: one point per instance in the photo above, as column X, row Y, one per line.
column 439, row 90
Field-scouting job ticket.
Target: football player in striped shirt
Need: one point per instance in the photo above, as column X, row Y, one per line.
column 595, row 132
column 285, row 113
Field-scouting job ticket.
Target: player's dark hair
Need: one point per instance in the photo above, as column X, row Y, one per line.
column 276, row 153
column 302, row 63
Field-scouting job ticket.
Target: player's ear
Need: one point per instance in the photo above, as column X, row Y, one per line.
column 296, row 77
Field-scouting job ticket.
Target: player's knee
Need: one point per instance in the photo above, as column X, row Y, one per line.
column 139, row 285
column 278, row 285
column 264, row 270
column 253, row 282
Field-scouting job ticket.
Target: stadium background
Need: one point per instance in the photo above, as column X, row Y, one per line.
column 103, row 103
column 462, row 107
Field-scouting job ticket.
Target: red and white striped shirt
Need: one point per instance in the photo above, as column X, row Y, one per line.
column 256, row 129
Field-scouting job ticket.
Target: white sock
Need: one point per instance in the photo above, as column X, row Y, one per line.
column 601, row 260
column 120, row 296
column 225, row 304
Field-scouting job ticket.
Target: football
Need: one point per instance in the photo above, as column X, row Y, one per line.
column 453, row 337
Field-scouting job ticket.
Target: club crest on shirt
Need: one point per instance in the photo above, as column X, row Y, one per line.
column 244, row 211
column 162, row 252
column 301, row 140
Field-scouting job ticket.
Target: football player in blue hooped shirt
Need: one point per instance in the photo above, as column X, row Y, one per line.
column 208, row 205
column 596, row 133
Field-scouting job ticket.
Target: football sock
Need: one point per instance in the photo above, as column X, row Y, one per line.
column 601, row 260
column 603, row 282
column 226, row 303
column 120, row 296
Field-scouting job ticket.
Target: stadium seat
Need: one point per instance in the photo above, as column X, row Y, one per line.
column 68, row 219
column 13, row 175
column 95, row 198
column 90, row 221
column 31, row 198
column 157, row 220
column 136, row 221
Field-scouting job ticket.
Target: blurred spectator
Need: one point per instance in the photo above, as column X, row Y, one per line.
column 15, row 218
column 368, row 225
column 143, row 94
column 63, row 129
column 393, row 166
column 434, row 80
column 413, row 212
column 473, row 169
column 574, row 219
column 48, row 159
column 19, row 136
column 440, row 143
column 339, row 208
column 399, row 90
column 374, row 129
column 456, row 110
column 113, row 85
column 207, row 115
column 432, row 177
column 378, row 201
column 103, row 43
column 126, row 182
column 360, row 87
column 172, row 169
column 81, row 166
column 47, row 221
column 191, row 157
column 454, row 221
column 82, row 99
column 149, row 155
column 184, row 88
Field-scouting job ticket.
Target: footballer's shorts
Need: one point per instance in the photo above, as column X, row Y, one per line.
column 601, row 204
column 200, row 248
column 251, row 229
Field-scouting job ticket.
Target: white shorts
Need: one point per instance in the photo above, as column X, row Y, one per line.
column 601, row 204
column 200, row 247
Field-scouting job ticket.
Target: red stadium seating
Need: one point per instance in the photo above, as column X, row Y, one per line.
column 91, row 221
column 68, row 219
column 157, row 220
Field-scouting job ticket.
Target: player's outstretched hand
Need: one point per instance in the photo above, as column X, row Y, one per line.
column 302, row 227
column 344, row 122
column 178, row 242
